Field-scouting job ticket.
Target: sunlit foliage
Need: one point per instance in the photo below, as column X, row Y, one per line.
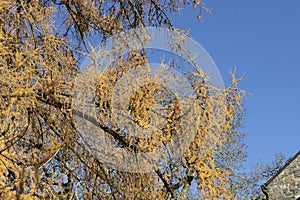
column 42, row 155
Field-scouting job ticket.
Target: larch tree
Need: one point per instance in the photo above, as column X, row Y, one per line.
column 42, row 152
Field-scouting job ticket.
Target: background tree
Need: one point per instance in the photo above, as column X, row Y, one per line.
column 245, row 184
column 261, row 172
column 42, row 155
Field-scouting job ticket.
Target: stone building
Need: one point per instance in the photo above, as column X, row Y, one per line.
column 285, row 185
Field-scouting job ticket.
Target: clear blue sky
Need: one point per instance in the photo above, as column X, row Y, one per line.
column 262, row 39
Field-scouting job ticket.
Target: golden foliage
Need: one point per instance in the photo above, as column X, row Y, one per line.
column 41, row 153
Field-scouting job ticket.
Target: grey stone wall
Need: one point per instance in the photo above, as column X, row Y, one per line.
column 286, row 185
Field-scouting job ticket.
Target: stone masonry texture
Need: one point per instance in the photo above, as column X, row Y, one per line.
column 286, row 184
